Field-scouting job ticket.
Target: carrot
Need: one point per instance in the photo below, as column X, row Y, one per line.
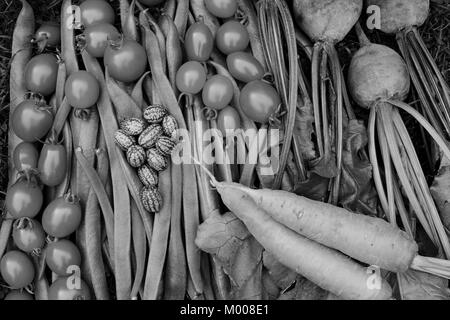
column 367, row 239
column 158, row 248
column 327, row 268
column 122, row 217
column 21, row 54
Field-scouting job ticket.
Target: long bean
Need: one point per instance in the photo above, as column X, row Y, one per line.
column 129, row 29
column 173, row 50
column 181, row 16
column 94, row 249
column 125, row 106
column 21, row 54
column 121, row 196
column 139, row 249
column 158, row 248
column 175, row 270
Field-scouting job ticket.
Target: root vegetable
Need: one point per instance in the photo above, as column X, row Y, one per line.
column 367, row 239
column 327, row 268
column 326, row 23
column 403, row 18
column 378, row 80
column 328, row 20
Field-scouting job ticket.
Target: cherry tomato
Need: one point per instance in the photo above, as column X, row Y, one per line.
column 228, row 121
column 259, row 101
column 40, row 74
column 244, row 67
column 231, row 37
column 96, row 11
column 222, row 8
column 66, row 288
column 18, row 295
column 82, row 90
column 62, row 217
column 60, row 255
column 199, row 42
column 127, row 61
column 25, row 156
column 49, row 33
column 24, row 199
column 28, row 235
column 31, row 121
column 191, row 77
column 217, row 92
column 17, row 269
column 52, row 165
column 97, row 37
column 151, row 3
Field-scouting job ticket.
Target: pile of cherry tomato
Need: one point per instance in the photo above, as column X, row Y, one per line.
column 258, row 99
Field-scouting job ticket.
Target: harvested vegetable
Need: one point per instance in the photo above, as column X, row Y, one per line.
column 327, row 23
column 403, row 18
column 378, row 79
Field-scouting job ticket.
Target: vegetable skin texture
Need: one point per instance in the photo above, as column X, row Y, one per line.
column 327, row 268
column 400, row 14
column 367, row 239
column 377, row 72
column 327, row 20
column 21, row 53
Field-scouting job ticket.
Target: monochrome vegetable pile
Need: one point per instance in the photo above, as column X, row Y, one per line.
column 139, row 138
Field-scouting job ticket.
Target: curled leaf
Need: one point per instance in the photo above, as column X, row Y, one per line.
column 357, row 192
column 227, row 239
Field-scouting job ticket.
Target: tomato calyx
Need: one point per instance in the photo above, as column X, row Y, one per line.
column 52, row 139
column 70, row 198
column 41, row 42
column 83, row 114
column 39, row 102
column 50, row 239
column 116, row 44
column 275, row 120
column 23, row 223
column 30, row 176
column 26, row 223
column 242, row 17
